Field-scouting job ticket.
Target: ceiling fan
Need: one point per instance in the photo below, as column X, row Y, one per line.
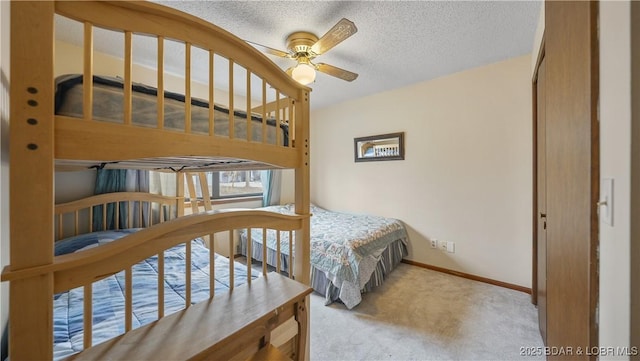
column 304, row 47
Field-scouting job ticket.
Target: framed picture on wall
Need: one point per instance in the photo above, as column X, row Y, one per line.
column 379, row 147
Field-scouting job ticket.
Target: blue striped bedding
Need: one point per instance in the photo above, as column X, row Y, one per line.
column 108, row 293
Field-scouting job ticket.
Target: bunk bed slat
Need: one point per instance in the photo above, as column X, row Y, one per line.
column 60, row 226
column 212, row 264
column 231, row 257
column 128, row 63
column 249, row 127
column 279, row 253
column 264, row 110
column 128, row 301
column 160, row 285
column 192, row 193
column 211, row 92
column 290, row 123
column 231, row 107
column 291, row 258
column 88, row 316
column 160, row 76
column 264, row 251
column 116, row 221
column 204, row 186
column 278, row 136
column 187, row 87
column 90, row 219
column 104, row 216
column 87, row 84
column 130, row 209
column 187, row 280
column 249, row 258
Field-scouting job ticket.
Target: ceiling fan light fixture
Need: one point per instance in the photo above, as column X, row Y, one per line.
column 304, row 73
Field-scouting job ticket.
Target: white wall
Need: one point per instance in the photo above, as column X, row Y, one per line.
column 467, row 173
column 4, row 162
column 615, row 162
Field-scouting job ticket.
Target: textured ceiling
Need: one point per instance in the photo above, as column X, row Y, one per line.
column 398, row 43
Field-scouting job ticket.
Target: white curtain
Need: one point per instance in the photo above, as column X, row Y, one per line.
column 162, row 183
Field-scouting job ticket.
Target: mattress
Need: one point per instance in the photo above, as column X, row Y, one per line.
column 346, row 249
column 108, row 105
column 108, row 293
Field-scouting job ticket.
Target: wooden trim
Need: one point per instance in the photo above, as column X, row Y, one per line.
column 31, row 149
column 534, row 196
column 594, row 259
column 468, row 276
column 539, row 58
column 534, row 174
column 635, row 179
column 87, row 82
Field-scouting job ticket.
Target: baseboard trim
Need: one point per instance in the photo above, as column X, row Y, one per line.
column 468, row 276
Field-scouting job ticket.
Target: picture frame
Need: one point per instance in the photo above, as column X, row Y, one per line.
column 379, row 147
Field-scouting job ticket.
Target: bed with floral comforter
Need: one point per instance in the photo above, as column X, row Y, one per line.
column 350, row 253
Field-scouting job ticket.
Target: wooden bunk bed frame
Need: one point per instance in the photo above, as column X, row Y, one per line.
column 40, row 139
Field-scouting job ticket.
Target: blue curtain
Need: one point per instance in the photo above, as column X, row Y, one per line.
column 271, row 180
column 266, row 187
column 119, row 180
column 107, row 181
column 138, row 181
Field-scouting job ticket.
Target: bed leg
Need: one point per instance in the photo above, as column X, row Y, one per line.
column 302, row 318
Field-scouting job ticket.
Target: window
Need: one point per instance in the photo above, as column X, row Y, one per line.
column 228, row 184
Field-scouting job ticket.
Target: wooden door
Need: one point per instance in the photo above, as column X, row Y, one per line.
column 572, row 173
column 541, row 216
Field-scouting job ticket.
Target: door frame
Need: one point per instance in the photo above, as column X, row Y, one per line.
column 595, row 177
column 534, row 214
column 635, row 179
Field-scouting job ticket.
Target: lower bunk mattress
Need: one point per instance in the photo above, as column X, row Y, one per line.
column 350, row 253
column 108, row 293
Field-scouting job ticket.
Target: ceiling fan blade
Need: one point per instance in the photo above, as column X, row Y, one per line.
column 338, row 33
column 337, row 72
column 268, row 50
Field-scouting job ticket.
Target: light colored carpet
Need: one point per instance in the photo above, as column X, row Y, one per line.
column 419, row 314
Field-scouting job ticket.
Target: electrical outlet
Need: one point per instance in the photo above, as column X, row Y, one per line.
column 434, row 243
column 443, row 245
column 451, row 247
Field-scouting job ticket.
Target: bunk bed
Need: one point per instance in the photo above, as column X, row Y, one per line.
column 234, row 324
column 351, row 253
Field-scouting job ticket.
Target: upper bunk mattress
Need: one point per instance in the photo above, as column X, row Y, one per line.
column 108, row 105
